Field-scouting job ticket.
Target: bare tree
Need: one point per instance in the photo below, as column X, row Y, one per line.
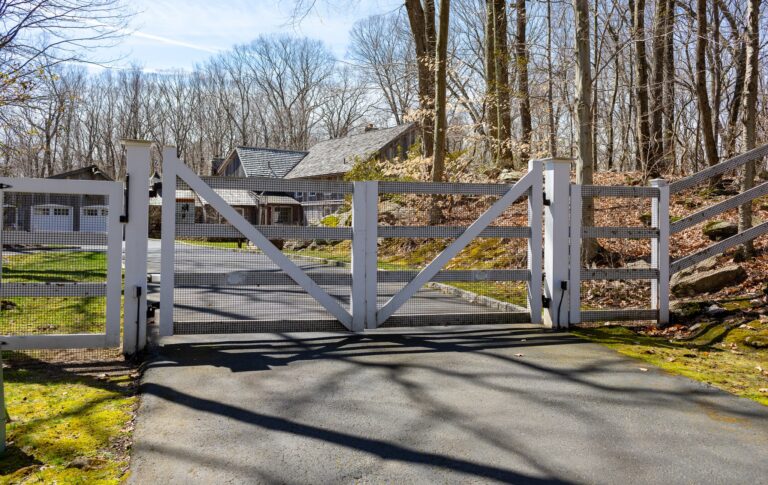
column 750, row 111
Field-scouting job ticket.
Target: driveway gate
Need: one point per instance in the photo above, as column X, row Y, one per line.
column 208, row 285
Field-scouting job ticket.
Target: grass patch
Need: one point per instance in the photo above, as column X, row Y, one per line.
column 215, row 244
column 65, row 428
column 720, row 356
column 55, row 315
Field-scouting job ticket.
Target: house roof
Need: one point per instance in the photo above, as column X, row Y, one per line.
column 265, row 162
column 337, row 156
column 73, row 174
column 277, row 200
column 234, row 197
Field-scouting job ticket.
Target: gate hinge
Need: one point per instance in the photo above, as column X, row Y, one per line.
column 156, row 189
column 5, row 186
column 127, row 198
column 546, row 201
column 545, row 301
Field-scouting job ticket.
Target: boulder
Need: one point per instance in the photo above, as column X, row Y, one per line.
column 394, row 214
column 682, row 310
column 707, row 281
column 297, row 244
column 508, row 176
column 719, row 230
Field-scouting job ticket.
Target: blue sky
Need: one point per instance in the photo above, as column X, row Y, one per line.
column 176, row 34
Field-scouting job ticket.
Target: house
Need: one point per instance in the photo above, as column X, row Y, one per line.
column 326, row 160
column 58, row 212
column 332, row 159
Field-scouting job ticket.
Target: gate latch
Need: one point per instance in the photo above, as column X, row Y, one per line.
column 5, row 186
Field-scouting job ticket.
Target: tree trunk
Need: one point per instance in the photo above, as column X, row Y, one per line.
column 423, row 38
column 750, row 112
column 658, row 164
column 550, row 86
column 669, row 89
column 705, row 110
column 441, row 58
column 584, row 162
column 521, row 58
column 491, row 93
column 641, row 67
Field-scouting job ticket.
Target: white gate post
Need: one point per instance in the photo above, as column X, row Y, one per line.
column 556, row 220
column 660, row 251
column 136, row 237
column 167, row 241
column 371, row 253
column 574, row 254
column 535, row 203
column 357, row 306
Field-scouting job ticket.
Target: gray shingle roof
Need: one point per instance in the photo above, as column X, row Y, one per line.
column 267, row 162
column 337, row 156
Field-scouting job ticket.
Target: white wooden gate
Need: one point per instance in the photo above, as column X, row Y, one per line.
column 56, row 278
column 362, row 308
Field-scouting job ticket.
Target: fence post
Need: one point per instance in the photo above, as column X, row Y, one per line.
column 168, row 240
column 535, row 203
column 371, row 252
column 574, row 254
column 359, row 246
column 660, row 251
column 556, row 217
column 136, row 237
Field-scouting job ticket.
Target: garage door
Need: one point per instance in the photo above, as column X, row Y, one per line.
column 93, row 218
column 51, row 217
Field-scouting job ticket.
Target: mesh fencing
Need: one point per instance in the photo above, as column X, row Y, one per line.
column 224, row 284
column 486, row 292
column 54, row 271
column 624, row 213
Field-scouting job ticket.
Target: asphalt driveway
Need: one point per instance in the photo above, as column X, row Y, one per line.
column 433, row 405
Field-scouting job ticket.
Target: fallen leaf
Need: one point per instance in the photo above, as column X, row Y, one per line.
column 519, row 355
column 671, row 359
column 763, row 389
column 643, row 369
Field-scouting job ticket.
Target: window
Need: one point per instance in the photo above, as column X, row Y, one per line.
column 312, row 196
column 282, row 215
column 298, row 196
column 91, row 212
column 41, row 211
column 105, row 212
column 60, row 211
column 326, row 211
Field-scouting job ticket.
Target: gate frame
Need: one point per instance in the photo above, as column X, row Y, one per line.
column 111, row 289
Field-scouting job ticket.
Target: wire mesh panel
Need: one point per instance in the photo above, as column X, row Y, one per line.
column 60, row 274
column 618, row 234
column 485, row 282
column 224, row 283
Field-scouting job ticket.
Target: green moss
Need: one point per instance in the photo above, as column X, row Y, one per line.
column 66, row 429
column 719, row 356
column 330, row 221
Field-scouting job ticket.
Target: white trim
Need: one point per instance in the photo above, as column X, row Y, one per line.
column 261, row 242
column 359, row 227
column 371, row 253
column 72, row 341
column 660, row 251
column 535, row 203
column 485, row 219
column 168, row 241
column 59, row 186
column 574, row 256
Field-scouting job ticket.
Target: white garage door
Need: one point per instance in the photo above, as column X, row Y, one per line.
column 93, row 218
column 51, row 217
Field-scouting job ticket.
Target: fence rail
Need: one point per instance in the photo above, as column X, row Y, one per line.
column 719, row 169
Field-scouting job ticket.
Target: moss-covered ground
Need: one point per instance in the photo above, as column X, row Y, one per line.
column 728, row 357
column 67, row 428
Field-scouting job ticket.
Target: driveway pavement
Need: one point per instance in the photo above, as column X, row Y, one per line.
column 213, row 308
column 434, row 405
